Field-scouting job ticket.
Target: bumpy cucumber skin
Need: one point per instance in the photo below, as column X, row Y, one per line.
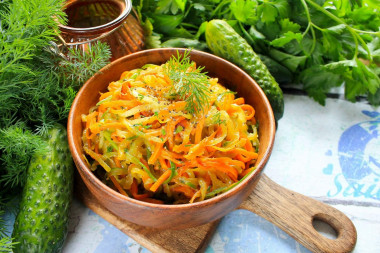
column 225, row 42
column 42, row 222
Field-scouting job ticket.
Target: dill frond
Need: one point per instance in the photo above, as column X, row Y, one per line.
column 27, row 27
column 190, row 83
column 18, row 145
column 6, row 244
column 80, row 66
column 37, row 82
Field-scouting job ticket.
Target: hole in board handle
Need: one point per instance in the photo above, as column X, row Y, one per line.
column 324, row 228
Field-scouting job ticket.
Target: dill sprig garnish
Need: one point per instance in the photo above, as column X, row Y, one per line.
column 190, row 83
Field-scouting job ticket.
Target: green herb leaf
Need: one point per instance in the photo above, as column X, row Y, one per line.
column 286, row 38
column 178, row 129
column 170, row 6
column 289, row 26
column 242, row 11
column 167, row 23
column 152, row 39
column 289, row 61
column 317, row 81
column 190, row 83
column 267, row 12
column 173, row 168
column 307, row 34
column 140, row 96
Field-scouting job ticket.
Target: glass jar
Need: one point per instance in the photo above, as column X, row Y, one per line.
column 111, row 21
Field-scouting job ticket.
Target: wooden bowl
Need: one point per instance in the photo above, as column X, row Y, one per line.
column 291, row 211
column 171, row 216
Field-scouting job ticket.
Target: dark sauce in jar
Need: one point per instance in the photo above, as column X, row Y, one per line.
column 91, row 13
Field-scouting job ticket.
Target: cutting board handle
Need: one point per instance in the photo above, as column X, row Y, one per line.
column 294, row 213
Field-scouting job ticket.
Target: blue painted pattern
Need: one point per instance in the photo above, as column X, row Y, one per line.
column 359, row 159
column 243, row 231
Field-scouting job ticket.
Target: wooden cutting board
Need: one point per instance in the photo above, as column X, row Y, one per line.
column 290, row 211
column 185, row 241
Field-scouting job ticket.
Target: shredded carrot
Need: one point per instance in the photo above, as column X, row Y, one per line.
column 168, row 156
column 117, row 104
column 156, row 153
column 144, row 130
column 117, row 162
column 170, row 131
column 111, row 125
column 177, row 106
column 187, row 190
column 250, row 112
column 117, row 185
column 248, row 145
column 198, row 130
column 134, row 192
column 105, row 95
column 163, row 163
column 154, row 132
column 245, row 172
column 160, row 180
column 247, row 155
column 239, row 101
column 223, row 167
column 91, row 118
column 89, row 142
column 232, row 109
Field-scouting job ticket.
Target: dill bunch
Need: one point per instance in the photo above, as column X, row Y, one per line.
column 37, row 86
column 18, row 144
column 26, row 28
column 37, row 81
column 190, row 83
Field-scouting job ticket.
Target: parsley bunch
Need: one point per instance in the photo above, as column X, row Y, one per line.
column 316, row 44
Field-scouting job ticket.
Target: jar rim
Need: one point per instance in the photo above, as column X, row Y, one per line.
column 126, row 9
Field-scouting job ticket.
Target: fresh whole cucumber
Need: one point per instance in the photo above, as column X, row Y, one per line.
column 42, row 222
column 225, row 42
